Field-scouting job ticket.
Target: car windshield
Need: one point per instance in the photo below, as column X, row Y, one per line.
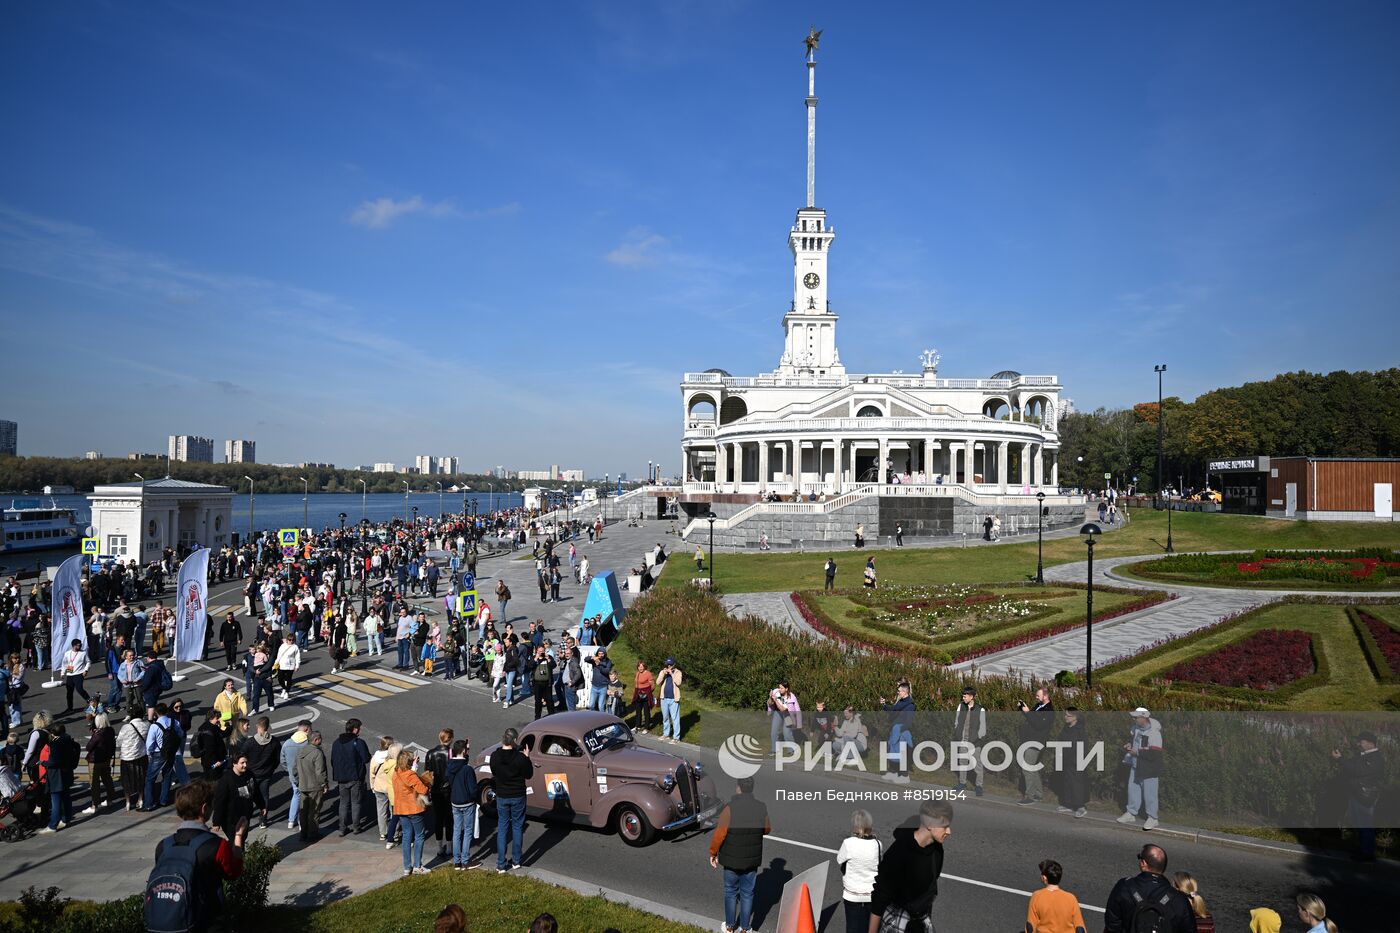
column 608, row 736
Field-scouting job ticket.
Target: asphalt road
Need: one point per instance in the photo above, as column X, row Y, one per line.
column 991, row 859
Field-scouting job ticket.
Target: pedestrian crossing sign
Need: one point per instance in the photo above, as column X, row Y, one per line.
column 466, row 604
column 289, row 537
column 90, row 546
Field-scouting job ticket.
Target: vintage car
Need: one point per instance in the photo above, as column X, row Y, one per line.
column 590, row 770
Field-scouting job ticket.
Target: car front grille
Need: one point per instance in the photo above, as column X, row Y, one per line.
column 685, row 780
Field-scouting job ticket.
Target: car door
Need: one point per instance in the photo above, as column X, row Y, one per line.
column 563, row 780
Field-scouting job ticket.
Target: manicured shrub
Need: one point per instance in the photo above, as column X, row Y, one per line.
column 1265, row 660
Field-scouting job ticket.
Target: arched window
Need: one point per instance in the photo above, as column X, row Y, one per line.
column 870, row 411
column 996, row 408
column 702, row 408
column 732, row 410
column 1036, row 408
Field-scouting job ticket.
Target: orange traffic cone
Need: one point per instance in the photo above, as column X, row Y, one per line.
column 806, row 922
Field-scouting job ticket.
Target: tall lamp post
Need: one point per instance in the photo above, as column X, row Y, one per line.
column 1040, row 538
column 439, row 500
column 364, row 572
column 305, row 494
column 250, row 507
column 141, row 529
column 711, row 516
column 364, row 499
column 1089, row 532
column 1161, row 434
column 405, row 499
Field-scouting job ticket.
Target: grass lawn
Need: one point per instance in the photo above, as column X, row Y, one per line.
column 1145, row 534
column 493, row 903
column 964, row 631
column 1350, row 683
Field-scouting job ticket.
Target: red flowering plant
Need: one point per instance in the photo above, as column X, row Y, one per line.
column 1265, row 660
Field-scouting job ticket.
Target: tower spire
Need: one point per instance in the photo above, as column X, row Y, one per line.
column 814, row 36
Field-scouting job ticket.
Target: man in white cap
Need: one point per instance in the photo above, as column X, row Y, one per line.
column 1143, row 755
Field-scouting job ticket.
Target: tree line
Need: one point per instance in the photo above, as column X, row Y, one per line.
column 1340, row 414
column 32, row 474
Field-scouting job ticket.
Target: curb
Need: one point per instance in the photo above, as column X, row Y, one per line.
column 589, row 889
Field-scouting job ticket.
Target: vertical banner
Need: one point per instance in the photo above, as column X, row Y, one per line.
column 191, row 601
column 67, row 610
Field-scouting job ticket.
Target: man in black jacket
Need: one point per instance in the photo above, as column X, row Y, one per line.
column 349, row 762
column 510, row 769
column 233, row 798
column 1363, row 773
column 541, row 668
column 230, row 636
column 208, row 745
column 1036, row 723
column 264, row 751
column 907, row 879
column 1146, row 894
column 438, row 758
column 737, row 846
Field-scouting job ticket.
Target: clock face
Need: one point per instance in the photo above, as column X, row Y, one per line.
column 811, row 280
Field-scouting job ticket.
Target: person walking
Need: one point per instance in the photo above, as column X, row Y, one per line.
column 1136, row 902
column 313, row 783
column 511, row 768
column 208, row 746
column 461, row 779
column 969, row 732
column 131, row 749
column 58, row 760
column 163, row 741
column 858, row 860
column 1363, row 775
column 737, row 847
column 263, row 751
column 1074, row 781
column 1053, row 909
column 503, row 599
column 899, row 535
column 906, row 883
column 101, row 748
column 1143, row 756
column 830, row 571
column 1036, row 723
column 349, row 764
column 231, row 637
column 288, row 660
column 75, row 667
column 233, row 798
column 699, row 559
column 291, row 750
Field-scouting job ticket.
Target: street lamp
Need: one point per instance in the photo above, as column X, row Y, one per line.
column 1161, row 429
column 342, row 523
column 250, row 507
column 141, row 523
column 710, row 517
column 405, row 499
column 364, row 498
column 1089, row 532
column 1039, row 538
column 439, row 500
column 305, row 494
column 364, row 572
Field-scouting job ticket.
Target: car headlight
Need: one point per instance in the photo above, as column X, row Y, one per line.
column 698, row 768
column 666, row 782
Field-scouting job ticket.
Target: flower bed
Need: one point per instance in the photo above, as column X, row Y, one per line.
column 1266, row 660
column 1380, row 642
column 1365, row 568
column 885, row 639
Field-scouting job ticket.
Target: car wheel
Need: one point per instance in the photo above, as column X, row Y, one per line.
column 632, row 825
column 486, row 799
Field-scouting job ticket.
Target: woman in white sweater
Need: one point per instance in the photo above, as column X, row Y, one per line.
column 288, row 660
column 859, row 860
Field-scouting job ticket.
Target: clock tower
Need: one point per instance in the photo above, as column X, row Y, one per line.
column 809, row 326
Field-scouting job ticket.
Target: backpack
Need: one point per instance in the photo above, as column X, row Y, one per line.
column 540, row 674
column 169, row 747
column 1150, row 915
column 172, row 901
column 166, row 682
column 67, row 752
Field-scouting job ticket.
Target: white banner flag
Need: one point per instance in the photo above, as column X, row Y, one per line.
column 191, row 603
column 67, row 610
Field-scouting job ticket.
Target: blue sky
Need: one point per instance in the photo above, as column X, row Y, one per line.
column 358, row 232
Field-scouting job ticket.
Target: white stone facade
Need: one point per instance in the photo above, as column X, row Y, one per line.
column 810, row 428
column 138, row 521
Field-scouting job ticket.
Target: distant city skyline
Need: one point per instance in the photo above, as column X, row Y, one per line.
column 387, row 237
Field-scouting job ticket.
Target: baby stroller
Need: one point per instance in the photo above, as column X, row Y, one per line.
column 19, row 807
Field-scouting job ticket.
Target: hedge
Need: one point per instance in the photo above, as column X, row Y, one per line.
column 1375, row 656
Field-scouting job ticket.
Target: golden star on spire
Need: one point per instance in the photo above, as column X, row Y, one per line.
column 814, row 36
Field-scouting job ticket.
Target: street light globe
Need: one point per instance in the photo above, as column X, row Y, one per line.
column 1089, row 532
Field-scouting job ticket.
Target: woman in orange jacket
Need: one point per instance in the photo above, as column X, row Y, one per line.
column 408, row 785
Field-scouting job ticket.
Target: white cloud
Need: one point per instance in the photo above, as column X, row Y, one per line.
column 381, row 212
column 640, row 247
